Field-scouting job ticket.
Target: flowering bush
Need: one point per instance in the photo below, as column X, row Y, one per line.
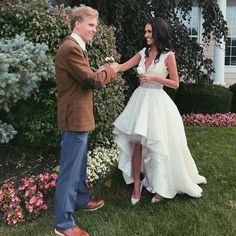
column 10, row 204
column 27, row 200
column 100, row 162
column 217, row 119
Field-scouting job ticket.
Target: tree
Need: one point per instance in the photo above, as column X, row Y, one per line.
column 129, row 17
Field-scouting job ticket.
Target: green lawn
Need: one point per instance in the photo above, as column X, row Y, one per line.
column 214, row 150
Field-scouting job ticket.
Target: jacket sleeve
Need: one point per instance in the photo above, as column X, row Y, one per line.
column 80, row 70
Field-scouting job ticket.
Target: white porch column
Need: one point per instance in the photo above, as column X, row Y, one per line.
column 219, row 53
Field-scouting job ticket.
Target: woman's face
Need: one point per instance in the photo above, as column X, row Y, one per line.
column 148, row 34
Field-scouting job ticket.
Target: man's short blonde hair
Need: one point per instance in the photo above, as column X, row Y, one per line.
column 79, row 13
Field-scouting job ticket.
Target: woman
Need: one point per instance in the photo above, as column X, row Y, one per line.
column 150, row 132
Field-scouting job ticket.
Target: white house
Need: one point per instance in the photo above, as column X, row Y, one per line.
column 224, row 58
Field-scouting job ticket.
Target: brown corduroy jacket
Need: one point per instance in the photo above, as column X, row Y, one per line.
column 75, row 83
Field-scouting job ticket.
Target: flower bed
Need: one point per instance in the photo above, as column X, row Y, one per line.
column 27, row 200
column 228, row 119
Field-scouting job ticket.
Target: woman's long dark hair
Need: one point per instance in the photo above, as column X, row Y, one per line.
column 161, row 36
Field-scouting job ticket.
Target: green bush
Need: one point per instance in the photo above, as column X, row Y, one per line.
column 35, row 118
column 36, row 122
column 206, row 99
column 233, row 90
column 39, row 23
column 171, row 92
column 7, row 132
column 109, row 102
column 22, row 66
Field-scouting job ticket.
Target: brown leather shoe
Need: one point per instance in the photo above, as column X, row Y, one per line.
column 74, row 231
column 93, row 205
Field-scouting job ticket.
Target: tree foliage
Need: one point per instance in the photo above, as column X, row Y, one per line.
column 129, row 17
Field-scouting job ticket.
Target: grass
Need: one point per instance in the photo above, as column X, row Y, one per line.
column 214, row 151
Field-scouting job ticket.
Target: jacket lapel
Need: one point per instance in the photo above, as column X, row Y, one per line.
column 84, row 51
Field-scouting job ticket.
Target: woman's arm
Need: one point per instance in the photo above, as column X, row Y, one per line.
column 173, row 81
column 132, row 62
column 173, row 72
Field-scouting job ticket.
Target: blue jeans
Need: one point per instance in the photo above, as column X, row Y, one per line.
column 71, row 189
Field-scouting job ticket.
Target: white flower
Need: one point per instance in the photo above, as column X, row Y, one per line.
column 100, row 162
column 140, row 70
column 109, row 59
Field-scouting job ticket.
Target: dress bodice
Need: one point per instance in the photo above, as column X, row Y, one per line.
column 159, row 68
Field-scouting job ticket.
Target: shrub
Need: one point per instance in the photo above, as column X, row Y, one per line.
column 22, row 66
column 7, row 132
column 39, row 23
column 233, row 90
column 37, row 128
column 171, row 92
column 35, row 120
column 196, row 98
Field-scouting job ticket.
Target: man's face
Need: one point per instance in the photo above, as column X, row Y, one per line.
column 87, row 28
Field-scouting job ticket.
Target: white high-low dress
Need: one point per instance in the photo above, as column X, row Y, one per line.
column 152, row 119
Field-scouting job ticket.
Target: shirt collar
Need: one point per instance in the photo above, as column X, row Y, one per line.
column 79, row 40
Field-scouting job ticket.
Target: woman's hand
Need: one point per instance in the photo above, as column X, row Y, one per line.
column 144, row 78
column 114, row 66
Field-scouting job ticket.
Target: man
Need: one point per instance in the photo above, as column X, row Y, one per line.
column 75, row 83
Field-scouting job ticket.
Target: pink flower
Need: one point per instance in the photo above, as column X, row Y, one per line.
column 27, row 198
column 33, row 200
column 217, row 119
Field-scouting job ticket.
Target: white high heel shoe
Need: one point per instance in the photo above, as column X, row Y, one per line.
column 156, row 200
column 136, row 200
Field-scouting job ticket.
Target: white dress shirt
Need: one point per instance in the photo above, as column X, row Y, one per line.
column 79, row 40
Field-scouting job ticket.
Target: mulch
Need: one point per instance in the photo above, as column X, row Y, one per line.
column 14, row 166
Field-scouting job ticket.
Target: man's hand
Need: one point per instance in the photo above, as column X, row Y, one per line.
column 114, row 66
column 102, row 67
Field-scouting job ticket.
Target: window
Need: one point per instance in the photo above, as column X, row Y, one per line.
column 192, row 23
column 230, row 47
